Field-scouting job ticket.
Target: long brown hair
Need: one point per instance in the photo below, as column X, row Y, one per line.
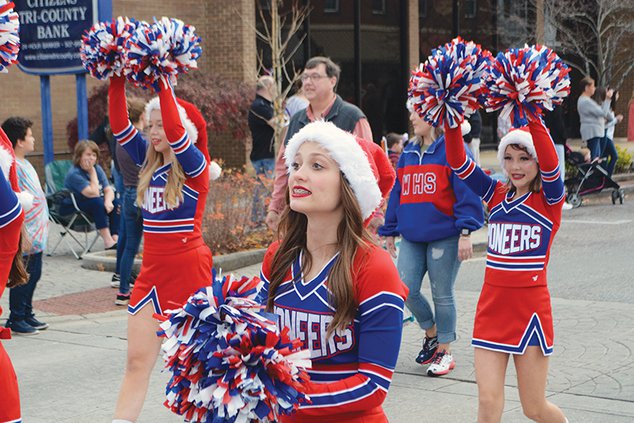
column 18, row 274
column 351, row 234
column 536, row 183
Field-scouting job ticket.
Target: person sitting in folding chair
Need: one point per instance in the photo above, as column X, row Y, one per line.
column 93, row 195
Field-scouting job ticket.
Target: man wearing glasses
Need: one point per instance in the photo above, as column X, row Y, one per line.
column 319, row 82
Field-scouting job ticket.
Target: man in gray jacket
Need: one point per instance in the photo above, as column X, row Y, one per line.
column 592, row 117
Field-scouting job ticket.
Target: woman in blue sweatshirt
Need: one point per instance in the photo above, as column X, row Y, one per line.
column 434, row 213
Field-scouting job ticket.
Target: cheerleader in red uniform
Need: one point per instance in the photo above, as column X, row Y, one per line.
column 11, row 269
column 329, row 283
column 173, row 186
column 514, row 316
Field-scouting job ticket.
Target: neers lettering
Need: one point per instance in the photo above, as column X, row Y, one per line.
column 512, row 238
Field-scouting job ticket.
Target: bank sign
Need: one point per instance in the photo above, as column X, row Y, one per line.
column 50, row 34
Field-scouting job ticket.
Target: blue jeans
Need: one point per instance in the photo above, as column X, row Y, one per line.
column 440, row 259
column 21, row 297
column 610, row 152
column 595, row 145
column 117, row 178
column 129, row 238
column 263, row 168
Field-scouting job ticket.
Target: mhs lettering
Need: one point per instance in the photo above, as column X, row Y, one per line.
column 311, row 329
column 511, row 238
column 419, row 183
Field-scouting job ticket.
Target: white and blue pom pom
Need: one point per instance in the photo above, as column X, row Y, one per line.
column 523, row 82
column 9, row 35
column 229, row 362
column 103, row 47
column 450, row 85
column 166, row 48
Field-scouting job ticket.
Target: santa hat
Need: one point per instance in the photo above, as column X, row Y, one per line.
column 7, row 164
column 519, row 136
column 195, row 126
column 190, row 128
column 361, row 164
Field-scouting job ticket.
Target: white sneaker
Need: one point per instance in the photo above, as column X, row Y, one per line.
column 567, row 206
column 442, row 364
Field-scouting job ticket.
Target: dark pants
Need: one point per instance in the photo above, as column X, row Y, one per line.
column 595, row 145
column 130, row 234
column 21, row 297
column 610, row 152
column 94, row 207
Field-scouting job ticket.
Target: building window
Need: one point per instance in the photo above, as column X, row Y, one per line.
column 422, row 8
column 378, row 7
column 331, row 6
column 470, row 8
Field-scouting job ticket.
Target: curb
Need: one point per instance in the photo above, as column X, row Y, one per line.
column 105, row 261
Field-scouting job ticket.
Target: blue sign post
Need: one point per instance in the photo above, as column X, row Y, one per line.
column 50, row 38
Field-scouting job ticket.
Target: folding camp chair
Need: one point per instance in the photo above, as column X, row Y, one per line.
column 58, row 199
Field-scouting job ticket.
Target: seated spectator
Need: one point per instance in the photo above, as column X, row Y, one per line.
column 394, row 147
column 94, row 196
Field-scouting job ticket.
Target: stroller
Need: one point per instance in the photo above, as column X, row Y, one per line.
column 591, row 178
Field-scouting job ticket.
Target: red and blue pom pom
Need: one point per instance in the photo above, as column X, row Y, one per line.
column 103, row 47
column 450, row 85
column 229, row 361
column 164, row 49
column 9, row 35
column 523, row 82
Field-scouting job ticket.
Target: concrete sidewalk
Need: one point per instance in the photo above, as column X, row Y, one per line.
column 72, row 371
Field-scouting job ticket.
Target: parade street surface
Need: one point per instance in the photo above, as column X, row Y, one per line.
column 72, row 371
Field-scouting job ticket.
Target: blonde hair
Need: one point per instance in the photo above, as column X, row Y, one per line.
column 173, row 194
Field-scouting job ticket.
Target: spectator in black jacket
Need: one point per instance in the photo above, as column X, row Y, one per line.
column 555, row 122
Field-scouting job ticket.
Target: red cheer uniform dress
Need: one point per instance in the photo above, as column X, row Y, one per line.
column 514, row 308
column 11, row 219
column 352, row 369
column 176, row 260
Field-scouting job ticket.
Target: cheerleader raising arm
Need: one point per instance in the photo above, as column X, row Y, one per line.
column 464, row 167
column 180, row 141
column 552, row 183
column 122, row 129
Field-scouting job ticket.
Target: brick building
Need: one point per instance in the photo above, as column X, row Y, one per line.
column 376, row 42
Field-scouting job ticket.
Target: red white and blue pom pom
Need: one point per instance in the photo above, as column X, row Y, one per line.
column 523, row 82
column 103, row 47
column 164, row 49
column 9, row 35
column 450, row 84
column 229, row 361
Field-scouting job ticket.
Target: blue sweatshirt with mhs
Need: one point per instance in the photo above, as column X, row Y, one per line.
column 428, row 201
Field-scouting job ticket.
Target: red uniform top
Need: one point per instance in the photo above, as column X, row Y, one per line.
column 352, row 369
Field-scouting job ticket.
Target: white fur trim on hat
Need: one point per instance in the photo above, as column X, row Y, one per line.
column 214, row 171
column 465, row 127
column 190, row 128
column 516, row 136
column 6, row 160
column 351, row 158
column 26, row 200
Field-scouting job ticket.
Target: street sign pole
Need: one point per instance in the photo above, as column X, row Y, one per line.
column 47, row 118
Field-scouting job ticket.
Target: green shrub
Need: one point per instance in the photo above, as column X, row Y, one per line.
column 624, row 162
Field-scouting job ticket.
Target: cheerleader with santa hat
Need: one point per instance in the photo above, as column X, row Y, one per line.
column 172, row 188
